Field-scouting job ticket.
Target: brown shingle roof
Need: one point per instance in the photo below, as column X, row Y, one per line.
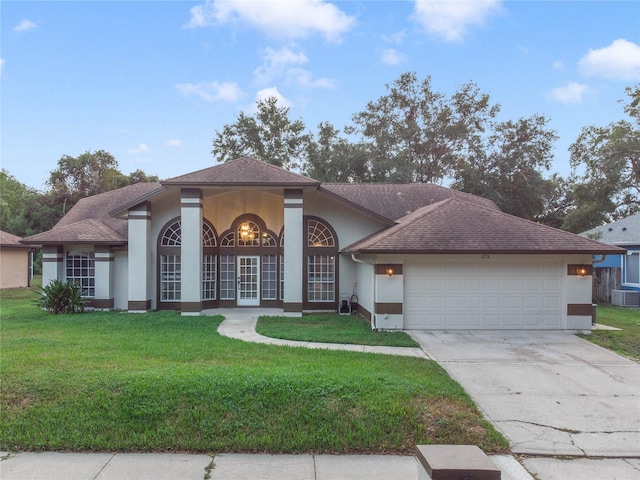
column 84, row 231
column 242, row 171
column 458, row 226
column 395, row 200
column 73, row 226
column 7, row 240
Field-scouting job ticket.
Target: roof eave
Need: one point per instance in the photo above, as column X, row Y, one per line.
column 480, row 251
column 243, row 184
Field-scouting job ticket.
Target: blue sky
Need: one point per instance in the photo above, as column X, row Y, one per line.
column 151, row 82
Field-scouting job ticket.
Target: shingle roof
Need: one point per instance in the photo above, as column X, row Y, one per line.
column 86, row 219
column 7, row 240
column 395, row 200
column 84, row 231
column 458, row 226
column 242, row 171
column 625, row 231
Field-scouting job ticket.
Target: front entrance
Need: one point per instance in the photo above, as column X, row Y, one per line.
column 248, row 281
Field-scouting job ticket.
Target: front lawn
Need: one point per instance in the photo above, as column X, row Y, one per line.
column 626, row 342
column 330, row 328
column 162, row 382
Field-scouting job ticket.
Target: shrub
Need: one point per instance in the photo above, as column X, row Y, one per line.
column 62, row 297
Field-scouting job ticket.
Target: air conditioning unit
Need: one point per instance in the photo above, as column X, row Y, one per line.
column 625, row 298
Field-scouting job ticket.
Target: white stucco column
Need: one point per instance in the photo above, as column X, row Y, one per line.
column 139, row 253
column 191, row 251
column 389, row 295
column 104, row 278
column 52, row 264
column 294, row 239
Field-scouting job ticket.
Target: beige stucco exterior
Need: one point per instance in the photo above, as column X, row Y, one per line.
column 14, row 267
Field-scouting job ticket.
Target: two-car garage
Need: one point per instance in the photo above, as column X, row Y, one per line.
column 483, row 293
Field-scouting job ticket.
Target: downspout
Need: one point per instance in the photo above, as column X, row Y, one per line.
column 373, row 313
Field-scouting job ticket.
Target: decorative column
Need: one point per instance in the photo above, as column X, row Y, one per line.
column 294, row 239
column 52, row 264
column 104, row 278
column 191, row 251
column 139, row 258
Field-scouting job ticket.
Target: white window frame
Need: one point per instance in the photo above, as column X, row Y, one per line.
column 80, row 268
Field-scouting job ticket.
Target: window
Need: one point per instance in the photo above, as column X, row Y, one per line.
column 632, row 268
column 321, row 278
column 281, row 277
column 248, row 234
column 227, row 277
column 209, row 277
column 319, row 235
column 170, row 262
column 269, row 277
column 170, row 285
column 81, row 270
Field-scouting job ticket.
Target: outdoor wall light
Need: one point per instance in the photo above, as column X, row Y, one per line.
column 581, row 270
column 389, row 271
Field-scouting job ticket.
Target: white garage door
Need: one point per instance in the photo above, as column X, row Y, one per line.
column 484, row 295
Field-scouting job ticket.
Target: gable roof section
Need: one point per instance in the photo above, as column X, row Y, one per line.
column 89, row 219
column 625, row 231
column 242, row 171
column 458, row 226
column 84, row 231
column 7, row 240
column 396, row 200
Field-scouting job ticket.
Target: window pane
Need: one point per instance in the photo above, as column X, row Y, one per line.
column 209, row 265
column 227, row 277
column 269, row 277
column 80, row 269
column 632, row 268
column 321, row 278
column 170, row 278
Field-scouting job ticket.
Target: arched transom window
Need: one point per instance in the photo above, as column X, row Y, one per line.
column 321, row 262
column 319, row 235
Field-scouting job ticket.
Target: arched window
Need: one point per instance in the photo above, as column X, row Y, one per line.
column 321, row 262
column 170, row 268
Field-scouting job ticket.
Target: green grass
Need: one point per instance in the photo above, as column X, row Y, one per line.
column 331, row 328
column 162, row 382
column 626, row 342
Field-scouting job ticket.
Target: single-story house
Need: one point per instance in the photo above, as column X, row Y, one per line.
column 249, row 234
column 15, row 262
column 619, row 273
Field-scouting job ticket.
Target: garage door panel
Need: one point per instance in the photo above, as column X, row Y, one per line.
column 483, row 295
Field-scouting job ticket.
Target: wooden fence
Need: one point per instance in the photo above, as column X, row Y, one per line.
column 605, row 279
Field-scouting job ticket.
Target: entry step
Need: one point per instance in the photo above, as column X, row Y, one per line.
column 455, row 462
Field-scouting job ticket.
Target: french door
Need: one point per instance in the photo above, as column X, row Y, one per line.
column 248, row 281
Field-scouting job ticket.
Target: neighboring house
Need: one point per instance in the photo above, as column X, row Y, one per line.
column 249, row 234
column 618, row 272
column 15, row 262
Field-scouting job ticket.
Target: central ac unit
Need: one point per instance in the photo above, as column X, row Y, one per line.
column 625, row 298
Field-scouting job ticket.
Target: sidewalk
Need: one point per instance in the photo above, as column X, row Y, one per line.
column 168, row 466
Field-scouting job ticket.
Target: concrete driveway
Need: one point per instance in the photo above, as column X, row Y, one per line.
column 550, row 393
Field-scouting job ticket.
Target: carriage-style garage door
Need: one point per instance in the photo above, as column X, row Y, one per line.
column 488, row 294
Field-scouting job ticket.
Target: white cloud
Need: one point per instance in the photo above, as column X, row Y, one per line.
column 450, row 19
column 570, row 93
column 391, row 56
column 1, row 67
column 212, row 91
column 173, row 142
column 284, row 64
column 395, row 38
column 272, row 92
column 558, row 65
column 25, row 26
column 279, row 18
column 142, row 148
column 618, row 61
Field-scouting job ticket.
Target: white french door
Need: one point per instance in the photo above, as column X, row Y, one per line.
column 248, row 281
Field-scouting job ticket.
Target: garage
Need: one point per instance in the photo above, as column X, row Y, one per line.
column 491, row 293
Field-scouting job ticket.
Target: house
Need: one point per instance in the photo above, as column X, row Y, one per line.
column 15, row 262
column 249, row 234
column 617, row 277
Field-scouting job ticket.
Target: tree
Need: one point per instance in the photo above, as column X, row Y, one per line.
column 83, row 176
column 414, row 134
column 269, row 135
column 332, row 158
column 13, row 196
column 507, row 167
column 609, row 187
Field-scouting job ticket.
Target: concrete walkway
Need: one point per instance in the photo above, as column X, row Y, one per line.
column 168, row 466
column 241, row 324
